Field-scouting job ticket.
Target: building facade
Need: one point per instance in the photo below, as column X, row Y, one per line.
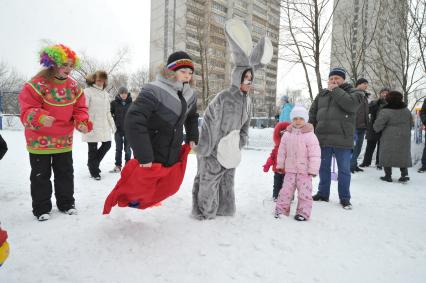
column 197, row 26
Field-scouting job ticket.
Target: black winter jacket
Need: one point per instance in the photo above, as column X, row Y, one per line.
column 154, row 122
column 423, row 113
column 374, row 108
column 119, row 109
column 3, row 147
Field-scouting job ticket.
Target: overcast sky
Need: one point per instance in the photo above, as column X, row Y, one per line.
column 97, row 27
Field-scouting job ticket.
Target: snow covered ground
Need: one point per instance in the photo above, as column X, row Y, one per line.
column 381, row 240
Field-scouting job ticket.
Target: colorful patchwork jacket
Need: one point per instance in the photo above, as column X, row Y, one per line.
column 62, row 99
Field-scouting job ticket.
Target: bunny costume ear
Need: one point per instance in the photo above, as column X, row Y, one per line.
column 262, row 53
column 240, row 41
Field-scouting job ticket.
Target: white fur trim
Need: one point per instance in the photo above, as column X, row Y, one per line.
column 228, row 150
column 238, row 31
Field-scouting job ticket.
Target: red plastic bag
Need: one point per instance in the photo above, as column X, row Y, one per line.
column 141, row 187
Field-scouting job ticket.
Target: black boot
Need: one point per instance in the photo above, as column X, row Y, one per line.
column 386, row 178
column 318, row 197
column 404, row 179
column 357, row 169
column 422, row 169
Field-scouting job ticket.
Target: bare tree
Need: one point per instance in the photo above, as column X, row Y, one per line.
column 305, row 31
column 138, row 79
column 9, row 78
column 11, row 83
column 89, row 65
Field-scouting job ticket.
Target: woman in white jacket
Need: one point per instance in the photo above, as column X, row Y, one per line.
column 98, row 102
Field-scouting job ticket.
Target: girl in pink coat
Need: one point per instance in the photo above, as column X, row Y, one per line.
column 300, row 154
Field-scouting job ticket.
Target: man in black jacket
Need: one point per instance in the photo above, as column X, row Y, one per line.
column 372, row 137
column 423, row 118
column 333, row 115
column 119, row 107
column 361, row 124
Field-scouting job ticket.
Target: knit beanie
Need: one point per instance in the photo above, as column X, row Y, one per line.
column 360, row 82
column 338, row 72
column 179, row 60
column 299, row 111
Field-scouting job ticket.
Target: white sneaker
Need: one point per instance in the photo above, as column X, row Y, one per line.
column 44, row 217
column 71, row 211
column 117, row 169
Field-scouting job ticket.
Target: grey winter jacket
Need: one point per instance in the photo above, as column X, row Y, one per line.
column 362, row 119
column 394, row 122
column 333, row 116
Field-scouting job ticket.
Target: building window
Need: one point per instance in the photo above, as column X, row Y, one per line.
column 218, row 7
column 219, row 19
column 259, row 10
column 241, row 3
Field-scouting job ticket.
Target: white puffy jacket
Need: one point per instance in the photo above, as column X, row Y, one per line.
column 99, row 105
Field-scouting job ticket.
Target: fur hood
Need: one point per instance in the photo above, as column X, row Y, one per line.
column 171, row 75
column 278, row 131
column 308, row 127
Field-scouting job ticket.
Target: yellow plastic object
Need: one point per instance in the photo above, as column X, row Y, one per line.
column 4, row 252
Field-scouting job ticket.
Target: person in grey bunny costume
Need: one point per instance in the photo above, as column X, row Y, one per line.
column 225, row 127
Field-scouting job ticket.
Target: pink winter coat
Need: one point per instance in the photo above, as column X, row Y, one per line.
column 299, row 151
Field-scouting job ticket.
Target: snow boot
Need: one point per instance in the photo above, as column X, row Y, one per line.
column 299, row 217
column 357, row 169
column 422, row 169
column 346, row 204
column 386, row 179
column 318, row 197
column 43, row 217
column 404, row 179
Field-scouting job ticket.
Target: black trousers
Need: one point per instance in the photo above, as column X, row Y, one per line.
column 120, row 143
column 368, row 155
column 278, row 184
column 41, row 186
column 388, row 171
column 96, row 155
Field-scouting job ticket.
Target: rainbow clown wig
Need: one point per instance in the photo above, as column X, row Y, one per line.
column 57, row 55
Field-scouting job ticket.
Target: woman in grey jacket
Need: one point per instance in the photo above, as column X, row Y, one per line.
column 394, row 122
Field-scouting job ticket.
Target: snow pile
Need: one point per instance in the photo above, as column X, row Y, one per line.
column 381, row 240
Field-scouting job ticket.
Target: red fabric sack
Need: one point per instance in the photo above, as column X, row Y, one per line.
column 142, row 187
column 3, row 236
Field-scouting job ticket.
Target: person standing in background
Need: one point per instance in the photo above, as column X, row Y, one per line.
column 119, row 107
column 98, row 103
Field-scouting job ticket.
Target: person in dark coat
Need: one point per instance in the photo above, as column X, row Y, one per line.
column 333, row 115
column 362, row 120
column 154, row 122
column 423, row 118
column 373, row 138
column 3, row 147
column 394, row 122
column 119, row 107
